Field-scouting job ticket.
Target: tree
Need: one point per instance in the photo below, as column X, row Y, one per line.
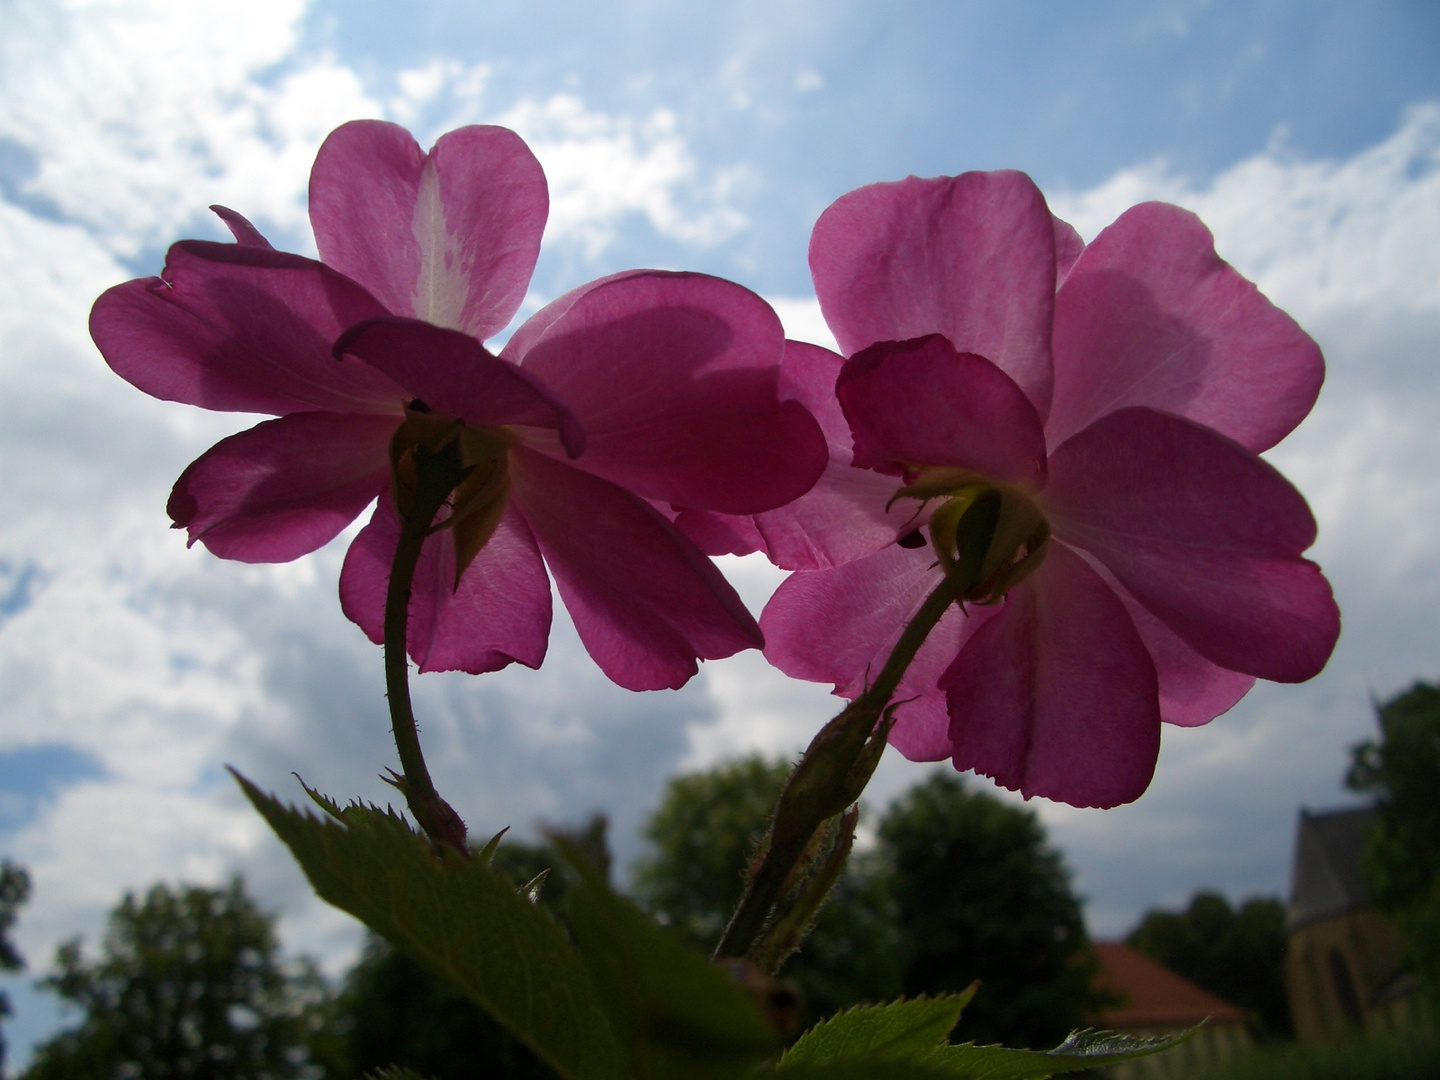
column 978, row 894
column 959, row 886
column 1402, row 857
column 1238, row 955
column 703, row 834
column 14, row 891
column 189, row 984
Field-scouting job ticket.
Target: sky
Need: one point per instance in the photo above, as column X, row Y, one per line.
column 705, row 137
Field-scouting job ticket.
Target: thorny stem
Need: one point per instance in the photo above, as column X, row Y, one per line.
column 434, row 815
column 830, row 776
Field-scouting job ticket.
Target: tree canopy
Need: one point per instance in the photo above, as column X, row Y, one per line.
column 958, row 886
column 1235, row 953
column 189, row 983
column 1401, row 769
column 14, row 891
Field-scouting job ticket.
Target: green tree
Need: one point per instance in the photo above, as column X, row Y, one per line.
column 1402, row 859
column 979, row 894
column 189, row 984
column 703, row 835
column 1236, row 954
column 14, row 891
column 959, row 886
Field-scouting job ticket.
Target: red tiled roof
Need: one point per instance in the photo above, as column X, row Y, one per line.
column 1153, row 996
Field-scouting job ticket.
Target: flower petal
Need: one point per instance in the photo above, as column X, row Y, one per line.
column 839, row 625
column 916, row 403
column 675, row 379
column 1203, row 533
column 843, row 517
column 240, row 228
column 1056, row 694
column 240, row 328
column 450, row 238
column 285, row 487
column 645, row 602
column 500, row 612
column 457, row 377
column 1150, row 315
column 971, row 257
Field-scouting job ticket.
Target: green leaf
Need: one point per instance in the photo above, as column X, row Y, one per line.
column 1081, row 1050
column 395, row 1072
column 682, row 1016
column 461, row 919
column 907, row 1030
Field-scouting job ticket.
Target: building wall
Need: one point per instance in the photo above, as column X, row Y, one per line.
column 1212, row 1045
column 1334, row 971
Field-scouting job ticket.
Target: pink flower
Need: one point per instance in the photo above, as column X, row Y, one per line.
column 667, row 383
column 1115, row 398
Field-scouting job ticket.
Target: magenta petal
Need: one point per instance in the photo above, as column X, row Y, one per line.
column 645, row 602
column 241, row 329
column 675, row 379
column 240, row 228
column 838, row 625
column 921, row 403
column 455, row 376
column 285, row 487
column 1068, row 246
column 451, row 238
column 1203, row 533
column 971, row 257
column 1056, row 695
column 1150, row 315
column 843, row 517
column 500, row 613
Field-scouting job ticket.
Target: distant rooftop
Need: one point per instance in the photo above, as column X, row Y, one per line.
column 1153, row 995
column 1325, row 879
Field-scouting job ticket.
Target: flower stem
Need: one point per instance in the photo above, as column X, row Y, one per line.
column 830, row 777
column 434, row 815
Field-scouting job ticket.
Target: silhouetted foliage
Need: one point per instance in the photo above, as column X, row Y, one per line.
column 189, row 984
column 1238, row 955
column 979, row 894
column 1402, row 858
column 14, row 891
column 959, row 886
column 393, row 1012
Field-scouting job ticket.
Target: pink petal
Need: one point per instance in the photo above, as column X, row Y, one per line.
column 457, row 377
column 645, row 602
column 285, row 487
column 839, row 626
column 533, row 328
column 499, row 614
column 1056, row 695
column 917, row 403
column 1205, row 534
column 675, row 379
column 450, row 238
column 1150, row 315
column 1068, row 246
column 841, row 518
column 240, row 228
column 239, row 328
column 971, row 257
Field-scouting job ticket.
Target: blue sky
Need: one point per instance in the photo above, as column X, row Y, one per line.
column 699, row 136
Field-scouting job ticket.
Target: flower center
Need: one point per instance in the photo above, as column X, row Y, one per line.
column 989, row 536
column 452, row 476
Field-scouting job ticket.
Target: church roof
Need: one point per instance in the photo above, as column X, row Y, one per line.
column 1325, row 878
column 1152, row 995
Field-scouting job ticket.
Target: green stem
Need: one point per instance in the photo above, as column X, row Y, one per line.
column 434, row 815
column 830, row 776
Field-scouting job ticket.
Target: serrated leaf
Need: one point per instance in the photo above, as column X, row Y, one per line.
column 461, row 919
column 1081, row 1050
column 682, row 1017
column 906, row 1030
